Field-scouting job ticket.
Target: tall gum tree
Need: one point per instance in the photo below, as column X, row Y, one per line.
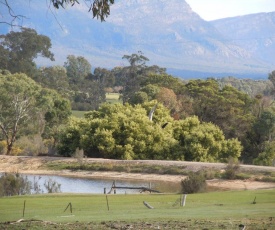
column 19, row 49
column 22, row 101
column 17, row 105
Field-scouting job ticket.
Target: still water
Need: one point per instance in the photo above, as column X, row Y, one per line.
column 96, row 186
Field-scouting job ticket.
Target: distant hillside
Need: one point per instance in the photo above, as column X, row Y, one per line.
column 254, row 32
column 169, row 33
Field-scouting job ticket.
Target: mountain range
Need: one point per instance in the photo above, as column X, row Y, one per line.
column 169, row 33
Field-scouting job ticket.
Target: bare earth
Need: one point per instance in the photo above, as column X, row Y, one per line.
column 35, row 165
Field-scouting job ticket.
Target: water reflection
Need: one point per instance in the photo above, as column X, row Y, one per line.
column 96, row 186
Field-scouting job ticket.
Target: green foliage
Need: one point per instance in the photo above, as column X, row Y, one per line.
column 54, row 77
column 202, row 141
column 232, row 169
column 267, row 157
column 14, row 184
column 100, row 8
column 31, row 145
column 265, row 125
column 228, row 108
column 249, row 86
column 70, row 136
column 138, row 98
column 19, row 49
column 77, row 68
column 195, row 182
column 25, row 104
column 125, row 132
column 18, row 95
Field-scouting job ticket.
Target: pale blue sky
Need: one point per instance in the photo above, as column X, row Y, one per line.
column 215, row 9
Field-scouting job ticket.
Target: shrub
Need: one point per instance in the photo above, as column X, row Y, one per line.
column 195, row 182
column 52, row 186
column 30, row 145
column 232, row 169
column 3, row 147
column 14, row 184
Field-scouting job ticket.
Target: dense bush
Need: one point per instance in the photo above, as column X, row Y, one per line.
column 14, row 184
column 126, row 132
column 232, row 169
column 195, row 182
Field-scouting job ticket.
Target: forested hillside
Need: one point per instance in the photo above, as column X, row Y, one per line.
column 159, row 116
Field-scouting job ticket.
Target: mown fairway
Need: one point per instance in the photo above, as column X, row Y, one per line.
column 112, row 98
column 217, row 210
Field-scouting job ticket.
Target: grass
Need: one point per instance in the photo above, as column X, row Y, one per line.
column 113, row 98
column 217, row 210
column 128, row 167
column 110, row 98
column 78, row 114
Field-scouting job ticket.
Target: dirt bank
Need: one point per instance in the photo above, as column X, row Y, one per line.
column 36, row 165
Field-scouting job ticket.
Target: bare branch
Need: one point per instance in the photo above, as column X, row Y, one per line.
column 15, row 17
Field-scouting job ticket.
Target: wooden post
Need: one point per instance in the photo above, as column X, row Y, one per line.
column 24, row 208
column 183, row 200
column 147, row 205
column 104, row 190
column 107, row 202
column 114, row 187
column 71, row 207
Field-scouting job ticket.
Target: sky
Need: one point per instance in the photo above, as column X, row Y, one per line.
column 216, row 9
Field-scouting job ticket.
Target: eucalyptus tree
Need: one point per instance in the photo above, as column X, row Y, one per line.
column 19, row 49
column 78, row 68
column 17, row 105
column 22, row 102
column 133, row 74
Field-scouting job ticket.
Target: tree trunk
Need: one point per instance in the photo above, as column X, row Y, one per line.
column 9, row 148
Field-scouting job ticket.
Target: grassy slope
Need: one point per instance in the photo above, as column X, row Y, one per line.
column 228, row 208
column 110, row 97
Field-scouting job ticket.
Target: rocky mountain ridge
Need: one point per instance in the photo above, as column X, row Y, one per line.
column 169, row 33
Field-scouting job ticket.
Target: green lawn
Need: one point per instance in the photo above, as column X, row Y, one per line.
column 113, row 98
column 226, row 208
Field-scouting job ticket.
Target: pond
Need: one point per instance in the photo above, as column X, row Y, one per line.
column 96, row 186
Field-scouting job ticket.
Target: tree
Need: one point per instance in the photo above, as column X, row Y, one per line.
column 168, row 98
column 56, row 112
column 17, row 105
column 19, row 49
column 121, row 132
column 201, row 141
column 54, row 77
column 228, row 108
column 125, row 132
column 267, row 157
column 78, row 68
column 89, row 94
column 99, row 8
column 133, row 74
column 265, row 125
column 22, row 102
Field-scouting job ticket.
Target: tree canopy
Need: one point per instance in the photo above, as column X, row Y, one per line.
column 22, row 100
column 126, row 132
column 19, row 49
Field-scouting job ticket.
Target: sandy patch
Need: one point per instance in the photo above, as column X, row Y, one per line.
column 34, row 165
